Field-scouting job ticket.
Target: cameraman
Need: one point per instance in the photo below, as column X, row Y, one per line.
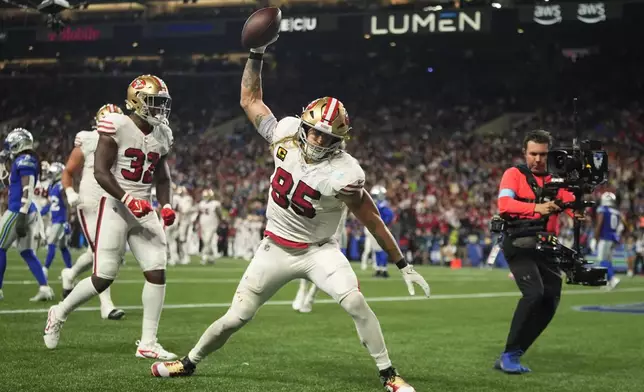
column 523, row 200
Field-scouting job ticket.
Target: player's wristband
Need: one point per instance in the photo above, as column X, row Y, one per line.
column 401, row 264
column 256, row 55
column 126, row 198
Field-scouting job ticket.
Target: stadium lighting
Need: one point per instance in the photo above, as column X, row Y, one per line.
column 496, row 5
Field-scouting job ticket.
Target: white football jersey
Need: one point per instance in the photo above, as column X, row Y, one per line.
column 138, row 153
column 208, row 213
column 41, row 193
column 255, row 224
column 342, row 226
column 89, row 190
column 185, row 209
column 302, row 203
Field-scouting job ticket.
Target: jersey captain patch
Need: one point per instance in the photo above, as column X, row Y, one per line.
column 281, row 153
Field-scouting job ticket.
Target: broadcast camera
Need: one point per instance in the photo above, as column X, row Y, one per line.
column 578, row 169
column 52, row 8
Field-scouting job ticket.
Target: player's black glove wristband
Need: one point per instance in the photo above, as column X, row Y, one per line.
column 401, row 264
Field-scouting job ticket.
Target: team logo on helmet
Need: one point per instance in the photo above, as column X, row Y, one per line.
column 138, row 84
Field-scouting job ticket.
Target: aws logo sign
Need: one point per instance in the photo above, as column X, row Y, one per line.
column 637, row 308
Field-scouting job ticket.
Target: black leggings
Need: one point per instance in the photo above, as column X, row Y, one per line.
column 540, row 283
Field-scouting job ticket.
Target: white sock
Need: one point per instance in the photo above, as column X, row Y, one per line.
column 303, row 285
column 106, row 300
column 215, row 337
column 185, row 255
column 83, row 263
column 174, row 249
column 368, row 328
column 152, row 297
column 312, row 291
column 82, row 293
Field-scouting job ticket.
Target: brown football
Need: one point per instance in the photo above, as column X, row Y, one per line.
column 261, row 27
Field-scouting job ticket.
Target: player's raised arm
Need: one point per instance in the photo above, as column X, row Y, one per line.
column 251, row 97
column 362, row 206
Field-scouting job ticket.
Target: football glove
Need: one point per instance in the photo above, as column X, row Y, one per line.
column 168, row 215
column 410, row 276
column 262, row 49
column 72, row 197
column 138, row 207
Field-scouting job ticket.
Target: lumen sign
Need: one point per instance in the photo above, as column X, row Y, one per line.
column 426, row 22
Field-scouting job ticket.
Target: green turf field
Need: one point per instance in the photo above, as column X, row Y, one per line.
column 447, row 343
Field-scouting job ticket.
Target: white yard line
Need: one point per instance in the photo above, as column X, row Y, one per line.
column 236, row 280
column 330, row 301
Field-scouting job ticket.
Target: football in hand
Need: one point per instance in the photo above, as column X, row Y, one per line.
column 261, row 27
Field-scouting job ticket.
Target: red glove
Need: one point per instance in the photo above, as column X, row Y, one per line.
column 138, row 207
column 168, row 215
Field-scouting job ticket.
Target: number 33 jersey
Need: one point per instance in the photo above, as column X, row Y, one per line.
column 138, row 153
column 302, row 203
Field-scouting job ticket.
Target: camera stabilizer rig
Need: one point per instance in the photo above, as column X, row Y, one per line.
column 578, row 169
column 51, row 9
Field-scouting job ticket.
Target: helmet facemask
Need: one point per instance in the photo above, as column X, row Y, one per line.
column 154, row 109
column 55, row 171
column 314, row 152
column 18, row 141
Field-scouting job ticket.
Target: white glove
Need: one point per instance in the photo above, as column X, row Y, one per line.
column 72, row 197
column 262, row 49
column 410, row 276
column 163, row 133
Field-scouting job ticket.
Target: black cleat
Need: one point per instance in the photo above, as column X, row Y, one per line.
column 116, row 314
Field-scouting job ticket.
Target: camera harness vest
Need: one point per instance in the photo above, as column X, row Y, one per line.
column 528, row 227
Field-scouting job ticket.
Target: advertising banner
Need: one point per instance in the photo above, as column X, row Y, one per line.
column 548, row 14
column 76, row 33
column 184, row 29
column 301, row 24
column 422, row 22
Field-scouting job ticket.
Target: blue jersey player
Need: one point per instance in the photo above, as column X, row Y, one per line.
column 607, row 233
column 59, row 230
column 20, row 221
column 379, row 194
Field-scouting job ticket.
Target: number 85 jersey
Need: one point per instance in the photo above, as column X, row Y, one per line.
column 302, row 203
column 138, row 153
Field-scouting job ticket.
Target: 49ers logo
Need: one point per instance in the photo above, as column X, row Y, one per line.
column 138, row 84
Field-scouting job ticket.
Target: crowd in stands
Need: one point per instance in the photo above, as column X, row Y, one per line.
column 416, row 127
